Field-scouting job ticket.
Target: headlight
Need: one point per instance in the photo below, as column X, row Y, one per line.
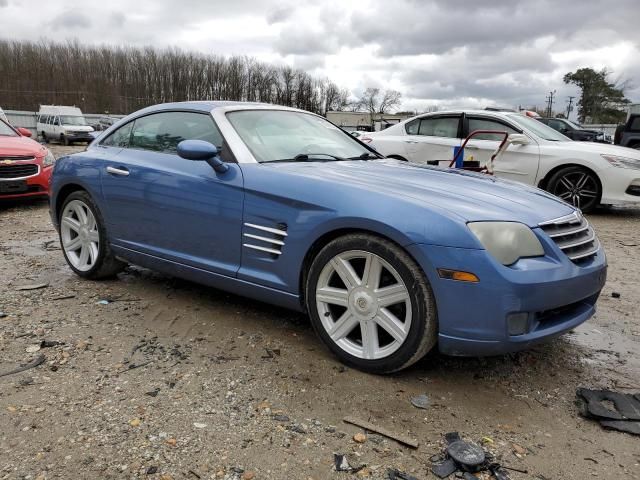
column 49, row 159
column 622, row 162
column 507, row 241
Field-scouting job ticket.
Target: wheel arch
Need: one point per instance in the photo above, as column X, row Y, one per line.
column 544, row 181
column 328, row 237
column 62, row 195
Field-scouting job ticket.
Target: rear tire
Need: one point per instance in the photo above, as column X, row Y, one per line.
column 65, row 141
column 577, row 186
column 370, row 303
column 84, row 239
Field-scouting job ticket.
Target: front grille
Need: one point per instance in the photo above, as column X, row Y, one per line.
column 574, row 236
column 9, row 172
column 16, row 158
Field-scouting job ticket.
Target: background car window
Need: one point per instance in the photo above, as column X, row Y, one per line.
column 119, row 138
column 162, row 132
column 412, row 127
column 635, row 125
column 439, row 127
column 488, row 124
column 558, row 125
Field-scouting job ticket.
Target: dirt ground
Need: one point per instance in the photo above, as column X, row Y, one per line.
column 171, row 380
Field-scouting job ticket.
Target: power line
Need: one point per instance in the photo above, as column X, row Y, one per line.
column 570, row 105
column 550, row 103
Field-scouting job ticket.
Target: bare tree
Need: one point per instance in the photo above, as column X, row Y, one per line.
column 123, row 79
column 390, row 99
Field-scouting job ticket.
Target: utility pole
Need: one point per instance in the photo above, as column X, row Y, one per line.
column 550, row 103
column 569, row 106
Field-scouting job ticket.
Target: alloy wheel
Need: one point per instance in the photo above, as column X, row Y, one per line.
column 80, row 236
column 363, row 304
column 578, row 188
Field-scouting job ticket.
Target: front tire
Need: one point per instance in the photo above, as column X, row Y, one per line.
column 83, row 238
column 370, row 303
column 577, row 186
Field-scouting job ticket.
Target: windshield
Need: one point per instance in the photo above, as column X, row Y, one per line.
column 73, row 120
column 6, row 130
column 538, row 128
column 577, row 125
column 274, row 135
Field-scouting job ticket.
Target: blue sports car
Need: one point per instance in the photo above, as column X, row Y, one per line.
column 387, row 258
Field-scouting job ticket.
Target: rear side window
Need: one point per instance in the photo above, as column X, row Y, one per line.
column 162, row 132
column 488, row 124
column 439, row 127
column 412, row 127
column 119, row 138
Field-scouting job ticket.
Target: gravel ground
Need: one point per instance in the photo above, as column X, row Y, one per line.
column 155, row 377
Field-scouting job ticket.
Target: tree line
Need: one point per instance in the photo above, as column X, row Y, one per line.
column 119, row 80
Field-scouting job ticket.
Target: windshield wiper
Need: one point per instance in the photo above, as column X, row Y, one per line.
column 365, row 156
column 309, row 157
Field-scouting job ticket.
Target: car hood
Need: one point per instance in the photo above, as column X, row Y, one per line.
column 20, row 146
column 469, row 196
column 78, row 128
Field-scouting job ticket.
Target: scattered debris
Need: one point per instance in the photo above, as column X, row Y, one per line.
column 103, row 302
column 466, row 458
column 359, row 438
column 342, row 464
column 33, row 286
column 403, row 439
column 3, row 315
column 271, row 353
column 615, row 294
column 32, row 348
column 625, row 415
column 393, row 474
column 50, row 343
column 200, row 425
column 421, row 401
column 63, row 297
column 32, row 364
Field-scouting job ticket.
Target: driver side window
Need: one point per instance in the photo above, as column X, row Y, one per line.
column 162, row 132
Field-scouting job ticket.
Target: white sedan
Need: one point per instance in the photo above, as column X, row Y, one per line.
column 584, row 174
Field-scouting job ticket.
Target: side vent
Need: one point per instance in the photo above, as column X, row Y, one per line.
column 265, row 239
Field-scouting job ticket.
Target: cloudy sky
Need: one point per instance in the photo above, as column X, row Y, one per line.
column 436, row 52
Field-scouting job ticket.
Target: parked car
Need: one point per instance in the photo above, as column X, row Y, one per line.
column 629, row 134
column 278, row 204
column 103, row 123
column 573, row 130
column 584, row 174
column 63, row 124
column 25, row 165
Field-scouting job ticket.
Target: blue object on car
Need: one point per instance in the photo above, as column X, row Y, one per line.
column 387, row 258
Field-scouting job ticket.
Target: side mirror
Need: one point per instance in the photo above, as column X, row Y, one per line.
column 518, row 139
column 199, row 150
column 25, row 132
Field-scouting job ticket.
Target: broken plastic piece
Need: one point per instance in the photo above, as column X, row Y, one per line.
column 393, row 474
column 627, row 407
column 622, row 425
column 466, row 453
column 444, row 469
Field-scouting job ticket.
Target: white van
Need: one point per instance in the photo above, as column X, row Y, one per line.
column 63, row 124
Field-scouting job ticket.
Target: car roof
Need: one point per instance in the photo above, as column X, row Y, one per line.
column 202, row 106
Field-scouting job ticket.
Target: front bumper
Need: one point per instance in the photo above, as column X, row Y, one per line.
column 555, row 294
column 79, row 137
column 36, row 186
column 620, row 186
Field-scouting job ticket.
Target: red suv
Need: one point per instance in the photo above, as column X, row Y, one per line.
column 25, row 165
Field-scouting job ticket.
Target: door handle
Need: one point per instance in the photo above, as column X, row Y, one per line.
column 118, row 171
column 411, row 141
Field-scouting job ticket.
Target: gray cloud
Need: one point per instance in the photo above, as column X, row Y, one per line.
column 70, row 20
column 505, row 52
